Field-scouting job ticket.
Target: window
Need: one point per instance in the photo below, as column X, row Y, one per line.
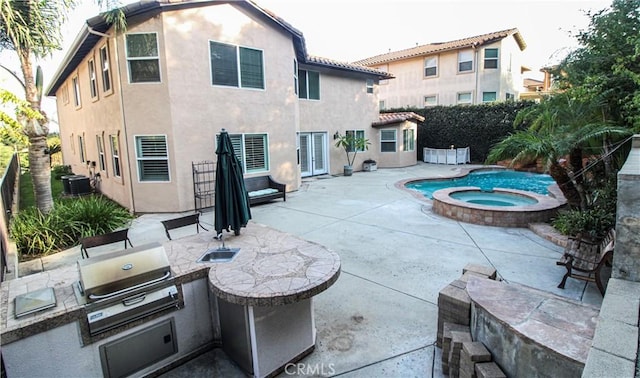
column 309, row 84
column 76, row 91
column 490, row 58
column 115, row 153
column 295, row 76
column 152, row 157
column 464, row 98
column 93, row 81
column 101, row 162
column 431, row 66
column 142, row 58
column 465, row 61
column 65, row 94
column 81, row 149
column 235, row 66
column 382, row 105
column 431, row 100
column 488, row 96
column 510, row 97
column 369, row 85
column 408, row 141
column 387, row 140
column 252, row 151
column 355, row 134
column 106, row 69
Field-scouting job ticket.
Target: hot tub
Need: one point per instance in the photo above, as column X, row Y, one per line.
column 500, row 207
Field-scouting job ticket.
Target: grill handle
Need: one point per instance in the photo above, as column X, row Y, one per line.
column 112, row 294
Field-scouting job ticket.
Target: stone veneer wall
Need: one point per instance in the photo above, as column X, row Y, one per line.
column 615, row 346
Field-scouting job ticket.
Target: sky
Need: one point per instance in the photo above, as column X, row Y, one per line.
column 350, row 30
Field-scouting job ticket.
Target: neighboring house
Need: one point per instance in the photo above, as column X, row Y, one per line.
column 139, row 107
column 535, row 90
column 472, row 70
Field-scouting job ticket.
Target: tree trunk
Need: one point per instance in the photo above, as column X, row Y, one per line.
column 577, row 175
column 561, row 177
column 40, row 173
column 37, row 131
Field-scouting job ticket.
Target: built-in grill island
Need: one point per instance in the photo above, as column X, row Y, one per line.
column 124, row 286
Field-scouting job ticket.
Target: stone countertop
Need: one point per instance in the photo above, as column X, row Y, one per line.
column 272, row 268
column 558, row 323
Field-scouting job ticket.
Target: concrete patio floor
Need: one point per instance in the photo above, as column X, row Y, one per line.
column 380, row 318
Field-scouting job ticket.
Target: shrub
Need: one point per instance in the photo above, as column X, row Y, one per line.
column 61, row 170
column 71, row 218
column 593, row 223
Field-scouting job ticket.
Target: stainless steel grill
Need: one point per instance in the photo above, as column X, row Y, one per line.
column 124, row 286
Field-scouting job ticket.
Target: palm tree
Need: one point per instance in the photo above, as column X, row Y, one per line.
column 560, row 129
column 31, row 28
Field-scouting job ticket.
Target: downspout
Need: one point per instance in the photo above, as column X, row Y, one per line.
column 124, row 120
column 474, row 46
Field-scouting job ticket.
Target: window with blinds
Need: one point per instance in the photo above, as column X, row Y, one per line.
column 152, row 157
column 408, row 140
column 490, row 58
column 252, row 151
column 235, row 66
column 465, row 61
column 431, row 66
column 387, row 140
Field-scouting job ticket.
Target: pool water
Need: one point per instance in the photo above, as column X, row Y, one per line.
column 487, row 181
column 493, row 198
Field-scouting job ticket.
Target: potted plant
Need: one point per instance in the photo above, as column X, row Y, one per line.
column 369, row 165
column 351, row 145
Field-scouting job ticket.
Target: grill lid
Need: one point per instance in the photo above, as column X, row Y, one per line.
column 123, row 269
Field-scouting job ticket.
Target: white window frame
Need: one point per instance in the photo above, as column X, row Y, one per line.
column 77, row 99
column 382, row 104
column 240, row 143
column 495, row 59
column 114, row 143
column 295, row 76
column 384, row 142
column 81, row 149
column 465, row 57
column 408, row 140
column 93, row 79
column 369, row 85
column 150, row 57
column 303, row 76
column 427, row 101
column 430, row 63
column 105, row 67
column 495, row 96
column 464, row 102
column 101, row 157
column 140, row 160
column 357, row 134
column 238, row 67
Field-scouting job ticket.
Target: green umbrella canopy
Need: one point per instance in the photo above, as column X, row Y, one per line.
column 231, row 198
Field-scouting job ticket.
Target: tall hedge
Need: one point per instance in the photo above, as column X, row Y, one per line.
column 478, row 127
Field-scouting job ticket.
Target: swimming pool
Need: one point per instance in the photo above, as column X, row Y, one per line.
column 487, row 180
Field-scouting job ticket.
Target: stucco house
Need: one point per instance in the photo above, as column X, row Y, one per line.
column 138, row 108
column 471, row 70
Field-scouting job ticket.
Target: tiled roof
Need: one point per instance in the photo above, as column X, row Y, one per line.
column 390, row 118
column 433, row 48
column 319, row 61
column 93, row 30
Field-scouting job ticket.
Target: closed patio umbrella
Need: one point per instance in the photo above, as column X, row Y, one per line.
column 231, row 198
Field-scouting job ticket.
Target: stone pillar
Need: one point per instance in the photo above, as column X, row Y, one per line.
column 626, row 256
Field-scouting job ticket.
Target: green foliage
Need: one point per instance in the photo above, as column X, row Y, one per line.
column 352, row 145
column 37, row 234
column 61, row 170
column 475, row 126
column 593, row 223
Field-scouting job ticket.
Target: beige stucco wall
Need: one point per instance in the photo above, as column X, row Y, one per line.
column 100, row 116
column 410, row 86
column 344, row 105
column 187, row 109
column 399, row 158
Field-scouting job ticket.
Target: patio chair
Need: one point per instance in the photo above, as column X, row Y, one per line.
column 585, row 259
column 98, row 240
column 182, row 222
